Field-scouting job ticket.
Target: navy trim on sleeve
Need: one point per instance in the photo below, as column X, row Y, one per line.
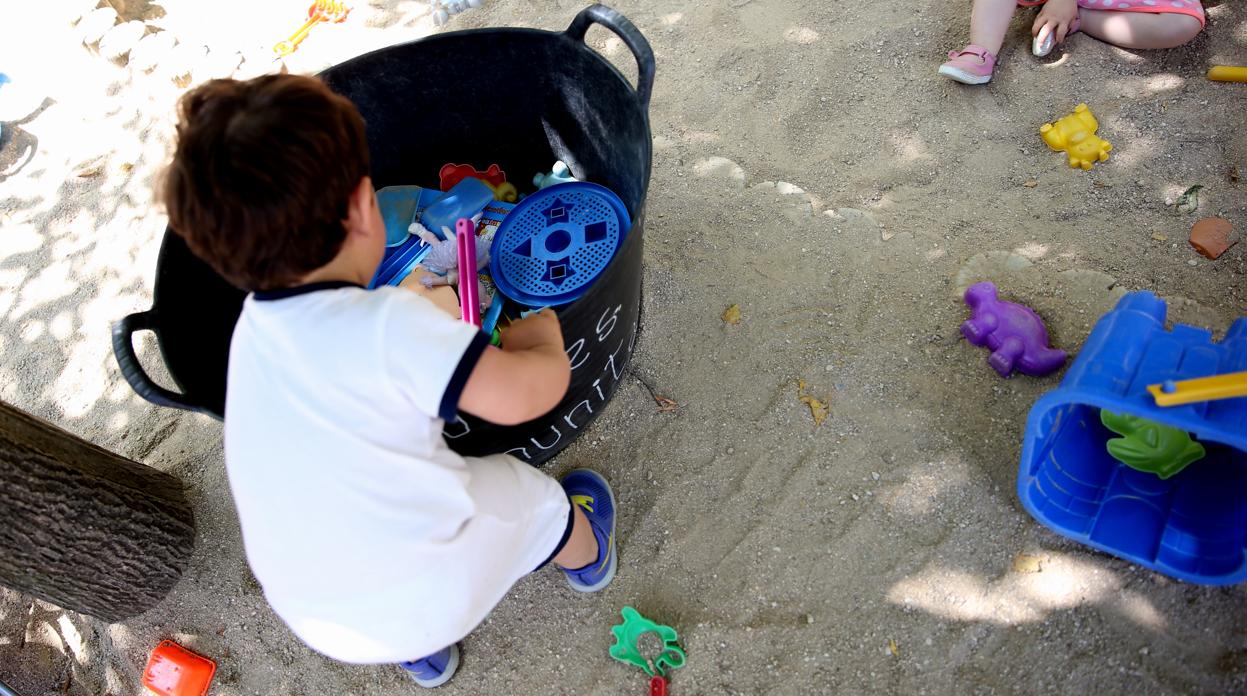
column 449, row 407
column 283, row 293
column 567, row 534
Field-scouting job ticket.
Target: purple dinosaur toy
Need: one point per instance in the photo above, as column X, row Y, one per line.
column 1015, row 334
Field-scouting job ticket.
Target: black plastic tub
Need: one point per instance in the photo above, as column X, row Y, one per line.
column 522, row 98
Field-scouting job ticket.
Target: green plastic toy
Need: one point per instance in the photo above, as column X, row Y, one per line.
column 1148, row 446
column 628, row 651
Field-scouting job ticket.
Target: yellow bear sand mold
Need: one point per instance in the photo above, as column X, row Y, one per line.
column 1075, row 135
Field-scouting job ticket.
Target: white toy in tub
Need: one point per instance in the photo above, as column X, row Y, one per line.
column 443, row 9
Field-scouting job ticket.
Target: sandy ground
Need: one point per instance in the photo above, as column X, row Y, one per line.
column 872, row 554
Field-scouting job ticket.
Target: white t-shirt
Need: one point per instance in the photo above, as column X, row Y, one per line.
column 357, row 518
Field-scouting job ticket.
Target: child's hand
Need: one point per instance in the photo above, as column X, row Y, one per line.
column 525, row 379
column 1056, row 16
column 418, row 229
column 541, row 329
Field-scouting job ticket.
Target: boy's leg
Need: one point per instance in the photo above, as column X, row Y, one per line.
column 1144, row 30
column 581, row 548
column 989, row 21
column 589, row 565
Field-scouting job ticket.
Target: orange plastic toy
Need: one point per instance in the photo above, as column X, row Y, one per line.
column 1075, row 135
column 175, row 671
column 320, row 11
column 494, row 178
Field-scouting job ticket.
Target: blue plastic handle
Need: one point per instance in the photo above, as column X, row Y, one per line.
column 464, row 200
column 494, row 313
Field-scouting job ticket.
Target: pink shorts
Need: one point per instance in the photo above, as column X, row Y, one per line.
column 1192, row 8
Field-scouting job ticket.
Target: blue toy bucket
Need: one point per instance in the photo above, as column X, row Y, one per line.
column 1192, row 525
column 557, row 242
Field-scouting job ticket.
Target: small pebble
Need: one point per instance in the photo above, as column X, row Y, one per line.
column 119, row 40
column 1192, row 262
column 150, row 50
column 93, row 26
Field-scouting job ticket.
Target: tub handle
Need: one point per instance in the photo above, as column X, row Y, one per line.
column 632, row 38
column 132, row 370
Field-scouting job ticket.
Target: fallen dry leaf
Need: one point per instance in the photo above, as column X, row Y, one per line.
column 1026, row 563
column 126, row 167
column 666, row 405
column 90, row 173
column 1188, row 202
column 894, row 648
column 1031, row 184
column 731, row 315
column 1159, row 237
column 819, row 410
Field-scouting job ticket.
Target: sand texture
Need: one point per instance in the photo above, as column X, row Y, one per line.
column 810, row 167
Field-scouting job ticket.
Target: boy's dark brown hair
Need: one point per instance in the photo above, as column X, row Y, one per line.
column 262, row 176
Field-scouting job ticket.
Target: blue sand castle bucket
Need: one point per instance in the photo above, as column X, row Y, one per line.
column 1192, row 525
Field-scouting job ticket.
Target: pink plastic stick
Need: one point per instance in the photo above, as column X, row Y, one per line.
column 469, row 298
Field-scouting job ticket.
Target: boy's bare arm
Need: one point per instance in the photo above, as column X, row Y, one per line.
column 524, row 379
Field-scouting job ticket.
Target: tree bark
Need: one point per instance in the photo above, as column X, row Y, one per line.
column 84, row 528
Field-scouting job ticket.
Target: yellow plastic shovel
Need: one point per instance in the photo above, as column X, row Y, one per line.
column 1191, row 391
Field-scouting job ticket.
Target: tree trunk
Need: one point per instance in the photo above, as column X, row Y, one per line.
column 83, row 528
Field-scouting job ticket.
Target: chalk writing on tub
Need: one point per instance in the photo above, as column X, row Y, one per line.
column 580, row 352
column 611, row 352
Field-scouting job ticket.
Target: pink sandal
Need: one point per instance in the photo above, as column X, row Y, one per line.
column 972, row 65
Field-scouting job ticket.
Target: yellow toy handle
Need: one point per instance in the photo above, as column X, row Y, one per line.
column 1192, row 391
column 1228, row 73
column 285, row 48
column 320, row 11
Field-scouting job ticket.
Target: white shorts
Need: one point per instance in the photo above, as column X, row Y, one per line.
column 522, row 518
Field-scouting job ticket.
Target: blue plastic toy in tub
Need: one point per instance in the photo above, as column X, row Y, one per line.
column 557, row 241
column 464, row 200
column 398, row 205
column 1192, row 525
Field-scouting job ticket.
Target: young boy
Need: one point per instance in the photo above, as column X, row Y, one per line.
column 373, row 541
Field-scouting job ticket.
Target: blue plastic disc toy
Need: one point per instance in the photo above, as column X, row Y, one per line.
column 556, row 242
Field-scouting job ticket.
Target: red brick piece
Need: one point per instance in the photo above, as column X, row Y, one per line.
column 1211, row 236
